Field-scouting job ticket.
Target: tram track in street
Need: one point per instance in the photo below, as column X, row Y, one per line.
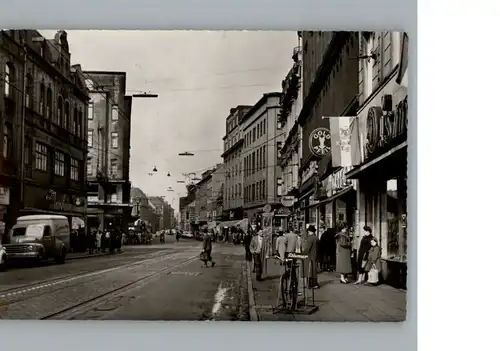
column 82, row 307
column 51, row 282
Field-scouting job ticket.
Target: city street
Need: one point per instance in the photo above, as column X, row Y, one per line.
column 148, row 282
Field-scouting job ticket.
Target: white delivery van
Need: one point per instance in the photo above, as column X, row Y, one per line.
column 39, row 237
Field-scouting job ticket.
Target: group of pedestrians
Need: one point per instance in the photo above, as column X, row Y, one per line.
column 111, row 240
column 331, row 252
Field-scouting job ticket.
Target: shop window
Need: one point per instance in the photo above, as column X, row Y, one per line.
column 396, row 219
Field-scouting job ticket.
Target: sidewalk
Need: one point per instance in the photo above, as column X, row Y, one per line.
column 336, row 302
column 81, row 255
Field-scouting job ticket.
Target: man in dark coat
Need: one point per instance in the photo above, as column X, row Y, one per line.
column 207, row 247
column 364, row 246
column 311, row 264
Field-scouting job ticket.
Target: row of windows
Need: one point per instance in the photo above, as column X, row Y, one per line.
column 114, row 112
column 256, row 161
column 234, row 192
column 256, row 192
column 113, row 166
column 90, row 139
column 71, row 122
column 258, row 131
column 42, row 162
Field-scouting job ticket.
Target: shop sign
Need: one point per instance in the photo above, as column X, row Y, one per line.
column 4, row 196
column 320, row 142
column 309, row 171
column 287, row 201
column 403, row 221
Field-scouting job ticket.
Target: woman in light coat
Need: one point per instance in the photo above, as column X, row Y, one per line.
column 343, row 254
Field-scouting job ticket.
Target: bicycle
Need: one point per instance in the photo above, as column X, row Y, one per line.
column 289, row 284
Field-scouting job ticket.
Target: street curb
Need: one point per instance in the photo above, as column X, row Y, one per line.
column 90, row 256
column 251, row 298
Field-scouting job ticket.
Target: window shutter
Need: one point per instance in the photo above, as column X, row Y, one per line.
column 376, row 64
column 361, row 69
column 386, row 54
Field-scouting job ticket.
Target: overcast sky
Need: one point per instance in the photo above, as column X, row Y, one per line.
column 199, row 76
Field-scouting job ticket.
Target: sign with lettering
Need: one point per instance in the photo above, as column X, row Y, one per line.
column 287, row 201
column 320, row 142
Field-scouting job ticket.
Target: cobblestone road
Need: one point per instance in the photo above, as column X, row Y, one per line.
column 156, row 282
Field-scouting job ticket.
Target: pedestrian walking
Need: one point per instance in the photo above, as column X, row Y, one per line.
column 311, row 246
column 246, row 242
column 373, row 262
column 292, row 242
column 256, row 248
column 98, row 240
column 207, row 247
column 91, row 241
column 343, row 254
column 281, row 246
column 364, row 247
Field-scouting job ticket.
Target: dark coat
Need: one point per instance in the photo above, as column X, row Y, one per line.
column 343, row 254
column 207, row 243
column 364, row 247
column 311, row 247
column 374, row 258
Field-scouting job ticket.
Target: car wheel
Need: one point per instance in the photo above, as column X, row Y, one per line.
column 3, row 265
column 61, row 259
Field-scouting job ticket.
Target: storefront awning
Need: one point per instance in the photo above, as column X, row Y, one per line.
column 228, row 224
column 334, row 196
column 358, row 171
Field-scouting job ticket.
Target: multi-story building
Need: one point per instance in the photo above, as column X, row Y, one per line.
column 157, row 204
column 330, row 72
column 291, row 104
column 42, row 111
column 108, row 170
column 186, row 208
column 215, row 195
column 168, row 217
column 202, row 209
column 263, row 137
column 233, row 163
column 379, row 147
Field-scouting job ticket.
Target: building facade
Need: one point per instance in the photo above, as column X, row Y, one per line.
column 108, row 135
column 216, row 194
column 290, row 107
column 233, row 164
column 263, row 137
column 330, row 77
column 202, row 209
column 169, row 220
column 42, row 111
column 380, row 165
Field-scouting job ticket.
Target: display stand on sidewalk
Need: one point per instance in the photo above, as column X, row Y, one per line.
column 303, row 306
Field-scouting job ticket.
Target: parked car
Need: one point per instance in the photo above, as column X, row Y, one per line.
column 187, row 235
column 38, row 238
column 3, row 259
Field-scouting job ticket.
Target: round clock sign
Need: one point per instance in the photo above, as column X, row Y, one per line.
column 320, row 142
